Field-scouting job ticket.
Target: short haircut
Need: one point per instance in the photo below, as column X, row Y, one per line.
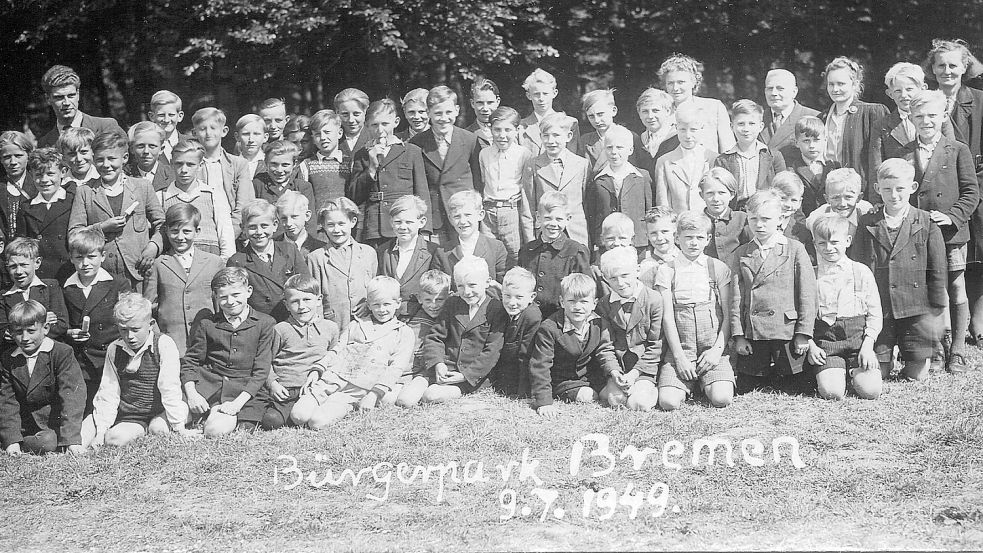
column 16, row 138
column 164, row 98
column 303, row 283
column 258, row 208
column 27, row 313
column 86, row 240
column 927, row 98
column 825, row 227
column 616, row 134
column 538, row 76
column 204, row 115
column 408, row 203
column 507, row 114
column 787, row 183
column 322, row 118
column 850, row 64
column 110, row 140
column 435, row 282
column 847, row 177
column 650, row 96
column 482, row 84
column 342, row 204
column 351, row 95
column 471, row 265
column 297, row 123
column 145, row 127
column 384, row 106
column 43, row 158
column 595, row 97
column 74, row 138
column 694, row 220
column 290, row 200
column 24, row 247
column 271, row 103
column 577, row 286
column 940, row 46
column 896, row 168
column 746, row 107
column 186, row 145
column 249, row 119
column 904, row 70
column 553, row 199
column 182, row 213
column 810, row 127
column 518, row 276
column 617, row 221
column 382, row 286
column 58, row 76
column 282, row 147
column 660, row 212
column 618, row 258
column 440, row 94
column 763, row 198
column 558, row 120
column 689, row 113
column 681, row 62
column 132, row 306
column 415, row 96
column 721, row 176
column 229, row 276
column 464, row 198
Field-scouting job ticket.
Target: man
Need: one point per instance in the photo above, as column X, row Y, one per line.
column 61, row 90
column 784, row 112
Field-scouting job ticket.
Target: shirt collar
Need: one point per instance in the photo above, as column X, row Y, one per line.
column 700, row 261
column 267, row 251
column 777, row 238
column 931, row 145
column 568, row 326
column 102, row 276
column 152, row 171
column 147, row 346
column 758, row 148
column 47, row 344
column 304, row 329
column 35, row 282
column 618, row 298
column 630, row 169
column 347, row 244
column 726, row 216
column 668, row 256
column 77, row 120
column 193, row 192
column 189, row 255
column 59, row 195
column 840, row 266
column 242, row 316
column 336, row 155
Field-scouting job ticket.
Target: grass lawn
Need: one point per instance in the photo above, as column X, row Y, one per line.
column 900, row 472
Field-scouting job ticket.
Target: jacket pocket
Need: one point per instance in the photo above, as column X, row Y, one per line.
column 791, row 316
column 404, row 172
column 139, row 219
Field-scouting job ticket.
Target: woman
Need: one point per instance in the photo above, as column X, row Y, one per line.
column 681, row 77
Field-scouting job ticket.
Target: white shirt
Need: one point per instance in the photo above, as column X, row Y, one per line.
column 749, row 165
column 467, row 245
column 620, row 175
column 834, row 134
column 215, row 181
column 236, row 321
column 895, row 221
column 221, row 215
column 653, row 141
column 149, row 175
column 59, row 195
column 76, row 123
column 266, row 254
column 26, row 292
column 353, row 140
column 403, row 257
column 16, row 189
column 186, row 258
column 47, row 344
column 840, row 296
column 102, row 276
column 169, row 143
column 502, row 171
column 93, row 173
column 569, row 328
column 765, row 249
column 925, row 151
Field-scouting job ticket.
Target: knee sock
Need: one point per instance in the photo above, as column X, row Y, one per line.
column 959, row 314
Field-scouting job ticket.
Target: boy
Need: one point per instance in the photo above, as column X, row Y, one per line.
column 553, row 255
column 222, row 171
column 507, row 215
column 343, row 267
column 484, row 100
column 215, row 232
column 660, row 231
column 350, row 105
column 949, row 191
column 298, row 343
column 435, row 288
column 634, row 314
column 465, row 344
column 251, row 136
column 280, row 176
column 140, row 391
column 655, row 109
column 273, row 111
column 466, row 213
column 729, row 227
column 450, row 157
column 600, row 108
column 45, row 216
column 902, row 81
column 42, row 394
column 678, row 173
column 907, row 254
column 559, row 169
column 778, row 296
column 294, row 213
column 619, row 187
column 511, row 374
column 90, row 294
column 75, row 146
column 125, row 209
column 807, row 159
column 165, row 110
column 147, row 161
column 408, row 256
column 789, row 188
column 178, row 286
column 326, row 170
column 703, row 297
column 849, row 317
column 843, row 191
column 540, row 88
column 23, row 259
column 228, row 359
column 414, row 106
column 572, row 356
column 750, row 161
column 267, row 262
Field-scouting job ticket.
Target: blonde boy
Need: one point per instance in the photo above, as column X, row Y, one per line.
column 678, row 173
column 511, row 374
column 435, row 288
column 600, row 108
column 655, row 111
column 414, row 106
column 407, row 257
column 251, row 135
column 660, row 231
column 619, row 186
column 222, row 171
column 465, row 215
column 902, row 81
column 350, row 105
column 75, row 146
column 166, row 111
column 843, row 199
column 540, row 88
column 147, row 160
column 807, row 159
column 294, row 212
column 485, row 99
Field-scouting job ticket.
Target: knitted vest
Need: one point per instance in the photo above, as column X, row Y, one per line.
column 329, row 179
column 138, row 392
column 208, row 236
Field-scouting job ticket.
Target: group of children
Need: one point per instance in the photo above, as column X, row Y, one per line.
column 157, row 282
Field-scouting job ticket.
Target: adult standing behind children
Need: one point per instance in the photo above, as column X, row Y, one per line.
column 682, row 76
column 780, row 93
column 61, row 91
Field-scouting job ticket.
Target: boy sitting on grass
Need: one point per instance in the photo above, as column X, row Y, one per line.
column 511, row 375
column 435, row 288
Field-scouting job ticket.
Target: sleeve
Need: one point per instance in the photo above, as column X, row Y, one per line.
column 647, row 190
column 540, row 363
column 360, row 181
column 421, row 188
column 491, row 350
column 71, row 392
column 263, row 360
column 169, row 383
column 937, row 268
column 277, row 345
column 526, row 215
column 725, row 134
column 874, row 317
column 79, row 219
column 315, row 266
column 605, row 353
column 662, row 183
column 778, row 162
column 300, row 265
column 56, row 305
column 155, row 215
column 805, row 293
column 150, row 285
column 434, row 348
column 10, row 420
column 581, row 261
column 736, row 320
column 196, row 354
column 243, row 189
column 479, row 184
column 501, row 260
column 400, row 360
column 223, row 222
column 528, row 184
column 969, row 188
column 649, row 361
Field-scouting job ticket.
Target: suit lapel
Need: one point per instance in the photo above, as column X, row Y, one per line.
column 101, row 201
column 547, row 172
column 939, row 159
column 777, row 258
column 395, row 151
column 677, row 170
column 752, row 259
column 908, row 227
column 19, row 373
column 421, row 259
column 428, row 144
column 99, row 291
column 456, row 149
column 173, row 265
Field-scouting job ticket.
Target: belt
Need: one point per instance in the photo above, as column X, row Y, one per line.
column 376, row 196
column 511, row 202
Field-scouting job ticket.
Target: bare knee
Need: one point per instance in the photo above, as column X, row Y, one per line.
column 720, row 394
column 671, row 399
column 831, row 384
column 219, row 424
column 867, row 384
column 158, row 426
column 643, row 396
column 586, row 395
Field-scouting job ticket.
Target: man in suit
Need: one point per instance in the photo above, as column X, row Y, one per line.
column 61, row 90
column 780, row 93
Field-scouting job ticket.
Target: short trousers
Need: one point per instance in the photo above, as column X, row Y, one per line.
column 571, row 387
column 286, row 406
column 721, row 372
column 770, row 358
column 252, row 411
column 841, row 341
column 137, row 418
column 956, row 255
column 914, row 336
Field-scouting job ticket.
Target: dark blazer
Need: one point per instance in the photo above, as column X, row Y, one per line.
column 401, row 173
column 483, row 140
column 50, row 296
column 264, row 189
column 647, row 161
column 162, row 178
column 967, row 120
column 348, row 154
column 310, row 245
column 730, row 231
column 181, row 298
column 949, row 185
column 592, row 147
column 550, row 263
column 51, row 398
column 797, row 228
column 95, row 124
column 912, row 272
column 635, row 200
column 770, row 163
column 471, row 347
column 50, row 228
column 426, row 256
column 778, row 295
column 459, row 170
column 511, row 374
column 861, row 148
column 102, row 325
column 267, row 282
column 492, row 250
column 558, row 361
column 226, row 360
column 784, row 135
column 637, row 345
column 6, row 205
column 894, row 139
column 814, row 186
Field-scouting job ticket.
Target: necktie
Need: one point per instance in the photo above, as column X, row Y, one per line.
column 778, row 120
column 558, row 169
column 442, row 146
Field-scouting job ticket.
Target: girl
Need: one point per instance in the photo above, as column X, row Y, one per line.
column 681, row 76
column 18, row 184
column 851, row 125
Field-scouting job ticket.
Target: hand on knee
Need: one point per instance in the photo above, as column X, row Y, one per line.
column 586, row 395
